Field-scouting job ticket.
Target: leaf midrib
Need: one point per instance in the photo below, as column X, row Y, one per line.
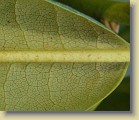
column 95, row 55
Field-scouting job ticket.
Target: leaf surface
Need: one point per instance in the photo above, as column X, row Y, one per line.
column 32, row 78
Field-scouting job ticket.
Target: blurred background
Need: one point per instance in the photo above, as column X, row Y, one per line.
column 114, row 14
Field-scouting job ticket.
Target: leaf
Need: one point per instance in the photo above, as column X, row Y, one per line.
column 113, row 10
column 118, row 12
column 119, row 100
column 55, row 59
column 125, row 32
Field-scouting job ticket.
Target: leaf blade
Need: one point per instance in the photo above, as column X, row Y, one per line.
column 34, row 86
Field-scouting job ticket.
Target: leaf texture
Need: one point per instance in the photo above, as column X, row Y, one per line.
column 39, row 25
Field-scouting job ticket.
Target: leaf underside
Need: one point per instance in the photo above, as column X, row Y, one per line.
column 27, row 25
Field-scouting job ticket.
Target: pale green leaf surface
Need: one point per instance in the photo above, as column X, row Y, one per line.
column 38, row 25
